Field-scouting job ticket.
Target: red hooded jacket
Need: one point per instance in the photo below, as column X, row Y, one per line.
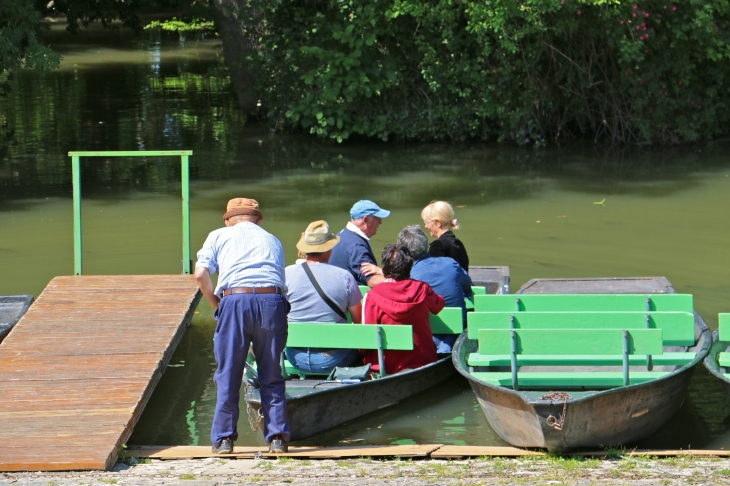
column 404, row 302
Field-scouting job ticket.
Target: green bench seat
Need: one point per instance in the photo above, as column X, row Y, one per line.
column 475, row 290
column 518, row 343
column 449, row 321
column 584, row 302
column 666, row 359
column 346, row 336
column 678, row 327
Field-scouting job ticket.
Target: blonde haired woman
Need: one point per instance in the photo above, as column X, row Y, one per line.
column 438, row 219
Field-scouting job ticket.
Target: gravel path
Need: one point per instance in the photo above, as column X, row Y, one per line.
column 635, row 471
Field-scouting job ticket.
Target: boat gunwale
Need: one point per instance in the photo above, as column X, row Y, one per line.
column 389, row 378
column 710, row 361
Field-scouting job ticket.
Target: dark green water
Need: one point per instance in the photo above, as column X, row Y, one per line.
column 664, row 212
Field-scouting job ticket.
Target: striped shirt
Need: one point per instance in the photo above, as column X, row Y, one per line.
column 245, row 255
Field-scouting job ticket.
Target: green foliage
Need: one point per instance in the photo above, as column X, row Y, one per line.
column 644, row 72
column 20, row 29
column 176, row 25
column 86, row 11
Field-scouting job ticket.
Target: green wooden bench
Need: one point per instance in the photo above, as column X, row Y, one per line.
column 673, row 313
column 520, row 343
column 346, row 336
column 584, row 302
column 723, row 358
column 678, row 327
column 358, row 336
column 364, row 289
column 449, row 321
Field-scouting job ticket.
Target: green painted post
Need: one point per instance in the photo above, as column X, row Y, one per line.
column 76, row 177
column 185, row 170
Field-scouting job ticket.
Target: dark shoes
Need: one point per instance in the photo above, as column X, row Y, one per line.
column 226, row 447
column 278, row 446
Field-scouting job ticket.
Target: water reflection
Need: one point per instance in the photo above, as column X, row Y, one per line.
column 663, row 214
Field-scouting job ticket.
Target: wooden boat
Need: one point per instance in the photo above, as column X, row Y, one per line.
column 12, row 308
column 587, row 417
column 314, row 405
column 711, row 361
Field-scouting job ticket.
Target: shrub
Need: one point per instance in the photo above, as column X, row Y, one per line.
column 525, row 70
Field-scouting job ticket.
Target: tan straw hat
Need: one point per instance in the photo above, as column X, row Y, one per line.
column 317, row 238
column 242, row 206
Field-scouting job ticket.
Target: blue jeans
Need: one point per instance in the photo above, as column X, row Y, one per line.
column 316, row 360
column 244, row 319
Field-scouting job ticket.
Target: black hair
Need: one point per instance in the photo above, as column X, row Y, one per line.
column 397, row 262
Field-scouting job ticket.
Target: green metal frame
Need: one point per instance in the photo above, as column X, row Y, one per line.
column 185, row 175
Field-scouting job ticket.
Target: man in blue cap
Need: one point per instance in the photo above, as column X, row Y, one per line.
column 354, row 248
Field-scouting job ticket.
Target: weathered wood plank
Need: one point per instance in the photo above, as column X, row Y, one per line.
column 73, row 387
column 191, row 452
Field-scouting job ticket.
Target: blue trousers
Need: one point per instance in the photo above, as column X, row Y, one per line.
column 313, row 361
column 260, row 320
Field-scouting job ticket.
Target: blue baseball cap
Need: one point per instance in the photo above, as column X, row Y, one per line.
column 366, row 208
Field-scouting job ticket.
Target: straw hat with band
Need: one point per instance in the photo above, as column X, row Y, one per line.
column 317, row 238
column 242, row 206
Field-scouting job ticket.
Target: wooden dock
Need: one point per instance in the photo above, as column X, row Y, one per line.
column 78, row 369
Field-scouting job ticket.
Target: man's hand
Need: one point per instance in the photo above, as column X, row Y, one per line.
column 202, row 275
column 368, row 269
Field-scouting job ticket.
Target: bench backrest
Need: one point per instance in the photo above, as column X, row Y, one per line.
column 570, row 341
column 449, row 321
column 584, row 302
column 724, row 327
column 352, row 336
column 476, row 290
column 677, row 327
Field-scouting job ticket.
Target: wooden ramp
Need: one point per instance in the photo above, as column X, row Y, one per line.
column 78, row 369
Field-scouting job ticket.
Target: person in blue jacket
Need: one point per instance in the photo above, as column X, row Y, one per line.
column 353, row 253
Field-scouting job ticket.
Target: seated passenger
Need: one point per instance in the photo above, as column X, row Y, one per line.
column 401, row 300
column 308, row 305
column 443, row 274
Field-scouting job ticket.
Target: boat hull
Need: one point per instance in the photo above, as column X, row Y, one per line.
column 711, row 364
column 330, row 405
column 593, row 418
column 12, row 308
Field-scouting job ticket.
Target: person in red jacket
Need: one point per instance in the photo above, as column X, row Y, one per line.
column 401, row 300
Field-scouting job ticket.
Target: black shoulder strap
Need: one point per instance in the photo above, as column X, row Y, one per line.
column 321, row 293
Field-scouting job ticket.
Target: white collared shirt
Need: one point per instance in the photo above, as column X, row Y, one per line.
column 356, row 230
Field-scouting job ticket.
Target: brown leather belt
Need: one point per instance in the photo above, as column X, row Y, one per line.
column 252, row 290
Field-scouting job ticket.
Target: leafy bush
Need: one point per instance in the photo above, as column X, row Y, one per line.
column 524, row 70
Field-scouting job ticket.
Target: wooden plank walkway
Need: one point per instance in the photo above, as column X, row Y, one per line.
column 432, row 451
column 78, row 369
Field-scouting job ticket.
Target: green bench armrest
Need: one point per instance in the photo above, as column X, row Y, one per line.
column 478, row 290
column 724, row 327
column 570, row 341
column 678, row 327
column 352, row 336
column 666, row 359
column 569, row 380
column 449, row 321
column 583, row 302
column 723, row 359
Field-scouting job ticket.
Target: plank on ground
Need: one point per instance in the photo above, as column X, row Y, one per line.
column 189, row 452
column 448, row 451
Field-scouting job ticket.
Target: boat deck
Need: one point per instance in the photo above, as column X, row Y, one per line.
column 78, row 369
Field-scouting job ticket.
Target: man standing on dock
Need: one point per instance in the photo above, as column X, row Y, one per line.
column 251, row 307
column 354, row 253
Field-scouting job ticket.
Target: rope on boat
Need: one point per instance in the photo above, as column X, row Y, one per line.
column 254, row 416
column 554, row 397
